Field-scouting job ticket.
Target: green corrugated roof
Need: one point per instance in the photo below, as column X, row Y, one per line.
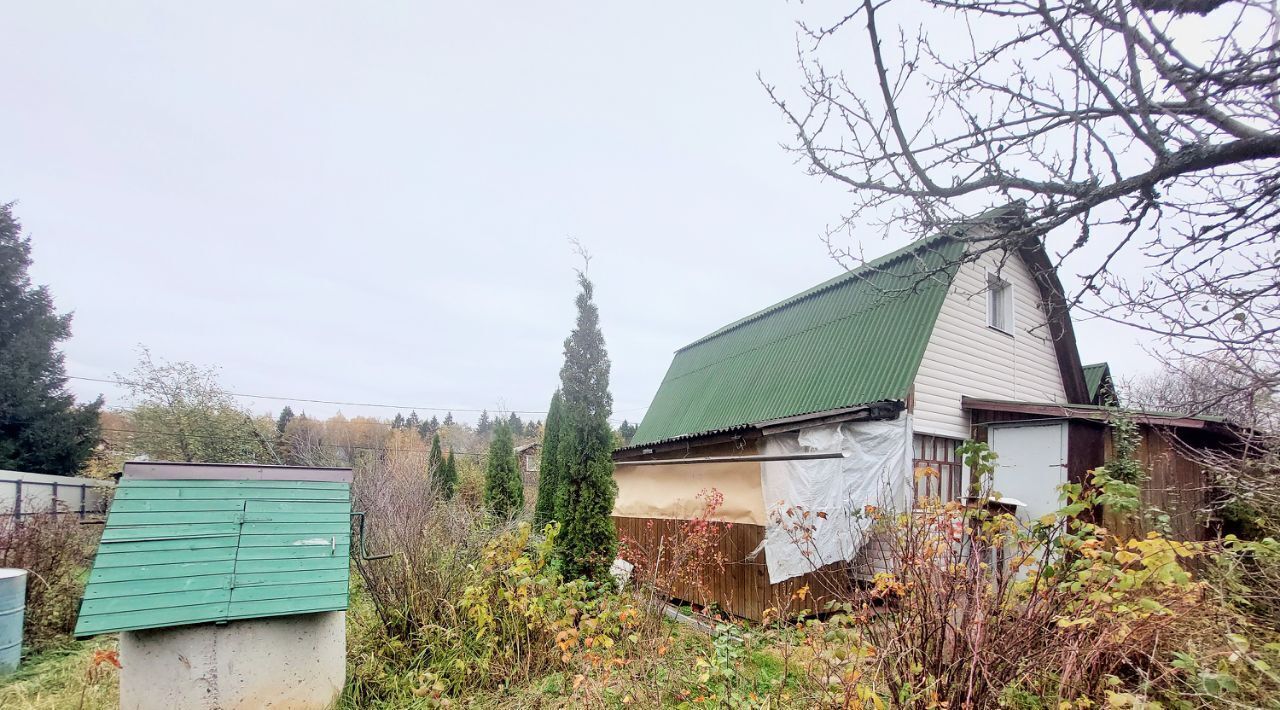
column 855, row 339
column 1093, row 378
column 189, row 551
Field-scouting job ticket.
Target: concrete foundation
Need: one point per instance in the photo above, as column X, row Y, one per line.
column 282, row 663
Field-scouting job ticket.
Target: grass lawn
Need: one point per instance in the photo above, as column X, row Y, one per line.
column 64, row 679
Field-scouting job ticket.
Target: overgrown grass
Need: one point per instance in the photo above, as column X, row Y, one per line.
column 72, row 677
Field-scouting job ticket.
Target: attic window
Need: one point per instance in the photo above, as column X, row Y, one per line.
column 999, row 303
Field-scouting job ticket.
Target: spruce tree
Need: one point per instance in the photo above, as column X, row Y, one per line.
column 286, row 416
column 549, row 477
column 627, row 430
column 428, row 427
column 435, row 460
column 483, row 424
column 412, row 421
column 42, row 429
column 517, row 426
column 398, row 422
column 449, row 477
column 448, row 419
column 588, row 541
column 503, row 488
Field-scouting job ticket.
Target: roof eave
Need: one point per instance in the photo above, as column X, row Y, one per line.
column 871, row 411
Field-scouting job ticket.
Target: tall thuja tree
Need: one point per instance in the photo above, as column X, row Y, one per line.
column 550, row 479
column 588, row 541
column 435, row 460
column 449, row 477
column 42, row 429
column 503, row 489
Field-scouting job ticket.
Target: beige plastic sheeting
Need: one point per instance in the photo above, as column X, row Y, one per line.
column 670, row 491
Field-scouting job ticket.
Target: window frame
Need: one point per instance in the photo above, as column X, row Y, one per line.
column 1000, row 294
column 940, row 453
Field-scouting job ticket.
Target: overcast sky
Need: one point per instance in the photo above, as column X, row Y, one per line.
column 372, row 202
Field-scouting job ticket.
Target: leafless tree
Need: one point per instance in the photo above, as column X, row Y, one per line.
column 1244, row 388
column 1140, row 135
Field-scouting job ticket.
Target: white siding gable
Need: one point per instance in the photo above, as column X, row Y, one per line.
column 965, row 357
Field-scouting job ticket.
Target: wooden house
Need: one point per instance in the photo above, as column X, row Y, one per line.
column 830, row 399
column 529, row 458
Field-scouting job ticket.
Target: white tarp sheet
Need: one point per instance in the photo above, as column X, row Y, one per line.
column 875, row 471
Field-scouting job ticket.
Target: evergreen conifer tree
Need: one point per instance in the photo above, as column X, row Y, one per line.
column 286, row 416
column 398, row 422
column 42, row 429
column 514, row 423
column 412, row 421
column 483, row 424
column 428, row 427
column 503, row 488
column 627, row 430
column 448, row 419
column 449, row 477
column 435, row 460
column 549, row 476
column 588, row 541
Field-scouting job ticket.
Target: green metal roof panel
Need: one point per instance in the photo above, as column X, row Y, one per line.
column 855, row 339
column 1093, row 377
column 180, row 551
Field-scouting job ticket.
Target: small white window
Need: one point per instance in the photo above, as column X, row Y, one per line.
column 999, row 303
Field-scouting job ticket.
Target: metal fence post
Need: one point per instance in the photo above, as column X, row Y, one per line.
column 82, row 492
column 17, row 499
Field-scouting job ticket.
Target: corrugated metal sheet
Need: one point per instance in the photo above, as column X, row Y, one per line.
column 189, row 551
column 1093, row 376
column 855, row 339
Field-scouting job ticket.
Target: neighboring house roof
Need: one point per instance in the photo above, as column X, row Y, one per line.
column 1097, row 380
column 193, row 543
column 525, row 447
column 854, row 340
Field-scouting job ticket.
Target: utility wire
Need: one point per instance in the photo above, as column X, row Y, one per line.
column 347, row 404
column 255, row 440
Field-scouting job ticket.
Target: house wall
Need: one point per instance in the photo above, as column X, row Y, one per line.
column 965, row 357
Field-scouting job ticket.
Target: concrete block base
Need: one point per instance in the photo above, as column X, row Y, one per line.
column 282, row 663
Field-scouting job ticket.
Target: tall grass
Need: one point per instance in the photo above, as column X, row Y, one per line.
column 75, row 676
column 56, row 552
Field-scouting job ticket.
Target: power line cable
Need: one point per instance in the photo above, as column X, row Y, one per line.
column 347, row 404
column 255, row 440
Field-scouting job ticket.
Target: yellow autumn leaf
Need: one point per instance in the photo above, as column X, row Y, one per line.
column 1124, row 557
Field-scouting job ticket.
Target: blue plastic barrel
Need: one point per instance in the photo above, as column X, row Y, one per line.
column 13, row 601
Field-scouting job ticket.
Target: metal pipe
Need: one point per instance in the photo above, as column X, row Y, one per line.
column 364, row 554
column 735, row 459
